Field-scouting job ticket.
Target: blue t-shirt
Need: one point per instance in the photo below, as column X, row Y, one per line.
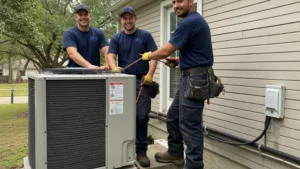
column 129, row 47
column 192, row 38
column 88, row 44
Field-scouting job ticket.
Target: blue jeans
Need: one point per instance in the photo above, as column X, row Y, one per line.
column 185, row 124
column 143, row 108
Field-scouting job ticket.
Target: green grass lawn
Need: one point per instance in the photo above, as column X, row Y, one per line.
column 13, row 135
column 21, row 89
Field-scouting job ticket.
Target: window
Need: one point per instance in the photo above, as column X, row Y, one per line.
column 174, row 75
column 1, row 72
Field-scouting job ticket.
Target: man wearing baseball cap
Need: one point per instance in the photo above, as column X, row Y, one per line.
column 127, row 9
column 127, row 44
column 81, row 7
column 82, row 42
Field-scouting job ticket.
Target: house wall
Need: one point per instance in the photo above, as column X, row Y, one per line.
column 28, row 71
column 256, row 43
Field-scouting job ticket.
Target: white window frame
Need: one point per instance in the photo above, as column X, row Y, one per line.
column 166, row 8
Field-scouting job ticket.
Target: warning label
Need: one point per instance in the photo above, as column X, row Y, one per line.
column 116, row 98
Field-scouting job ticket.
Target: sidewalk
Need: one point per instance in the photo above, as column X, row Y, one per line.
column 17, row 99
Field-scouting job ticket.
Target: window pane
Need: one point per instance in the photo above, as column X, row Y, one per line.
column 173, row 22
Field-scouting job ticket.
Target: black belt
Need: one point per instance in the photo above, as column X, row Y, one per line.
column 196, row 71
column 140, row 76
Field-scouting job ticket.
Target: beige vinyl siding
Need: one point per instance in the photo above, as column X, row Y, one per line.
column 217, row 4
column 208, row 1
column 256, row 43
column 149, row 20
column 241, row 156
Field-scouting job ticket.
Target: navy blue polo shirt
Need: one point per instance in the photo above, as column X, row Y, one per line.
column 88, row 44
column 192, row 38
column 129, row 47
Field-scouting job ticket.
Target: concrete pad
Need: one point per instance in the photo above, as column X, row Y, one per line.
column 152, row 149
column 26, row 163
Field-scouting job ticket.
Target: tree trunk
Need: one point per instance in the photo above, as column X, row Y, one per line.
column 10, row 71
column 18, row 76
column 21, row 72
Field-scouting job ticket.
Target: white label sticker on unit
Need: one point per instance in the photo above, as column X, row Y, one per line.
column 116, row 98
column 116, row 107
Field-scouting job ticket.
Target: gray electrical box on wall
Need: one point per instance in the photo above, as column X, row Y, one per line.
column 81, row 121
column 274, row 101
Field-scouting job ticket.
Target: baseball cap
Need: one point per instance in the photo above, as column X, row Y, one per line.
column 81, row 6
column 127, row 9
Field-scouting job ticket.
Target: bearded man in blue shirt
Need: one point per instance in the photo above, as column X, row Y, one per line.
column 193, row 40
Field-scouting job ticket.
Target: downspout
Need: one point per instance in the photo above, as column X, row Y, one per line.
column 263, row 150
column 115, row 18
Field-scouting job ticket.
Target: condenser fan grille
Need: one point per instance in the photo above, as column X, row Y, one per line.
column 75, row 123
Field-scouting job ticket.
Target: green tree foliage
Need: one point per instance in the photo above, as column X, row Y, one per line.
column 100, row 18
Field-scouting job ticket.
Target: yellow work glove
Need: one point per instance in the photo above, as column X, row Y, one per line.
column 117, row 70
column 148, row 79
column 145, row 56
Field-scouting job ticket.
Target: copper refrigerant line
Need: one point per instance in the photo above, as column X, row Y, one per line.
column 141, row 86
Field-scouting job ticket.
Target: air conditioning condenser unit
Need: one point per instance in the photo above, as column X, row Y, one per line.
column 79, row 119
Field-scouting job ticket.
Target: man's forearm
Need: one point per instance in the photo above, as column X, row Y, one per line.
column 163, row 52
column 77, row 58
column 152, row 68
column 106, row 64
column 158, row 54
column 111, row 58
column 104, row 51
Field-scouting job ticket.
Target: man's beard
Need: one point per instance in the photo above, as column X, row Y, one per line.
column 184, row 13
column 84, row 25
column 129, row 29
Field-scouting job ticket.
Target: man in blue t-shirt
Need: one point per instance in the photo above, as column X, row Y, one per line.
column 193, row 40
column 127, row 45
column 83, row 43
